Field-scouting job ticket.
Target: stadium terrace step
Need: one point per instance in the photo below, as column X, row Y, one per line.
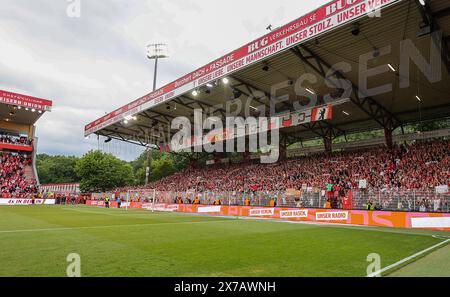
column 29, row 174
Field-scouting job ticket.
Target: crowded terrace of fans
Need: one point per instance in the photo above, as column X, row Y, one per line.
column 12, row 139
column 13, row 181
column 421, row 166
column 402, row 178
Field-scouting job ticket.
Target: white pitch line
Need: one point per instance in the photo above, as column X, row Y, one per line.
column 105, row 227
column 255, row 219
column 377, row 273
column 340, row 226
column 441, row 237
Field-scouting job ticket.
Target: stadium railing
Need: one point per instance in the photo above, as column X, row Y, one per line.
column 386, row 199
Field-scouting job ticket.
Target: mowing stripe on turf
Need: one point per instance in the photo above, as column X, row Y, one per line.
column 255, row 219
column 113, row 212
column 328, row 225
column 122, row 212
column 379, row 272
column 108, row 226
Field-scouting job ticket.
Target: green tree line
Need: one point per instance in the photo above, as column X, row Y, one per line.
column 97, row 171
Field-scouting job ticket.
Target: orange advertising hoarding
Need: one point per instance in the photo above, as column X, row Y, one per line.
column 436, row 221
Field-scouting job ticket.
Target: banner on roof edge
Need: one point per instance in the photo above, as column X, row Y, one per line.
column 323, row 19
column 25, row 101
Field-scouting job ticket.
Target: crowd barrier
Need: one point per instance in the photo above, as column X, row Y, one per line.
column 356, row 199
column 435, row 221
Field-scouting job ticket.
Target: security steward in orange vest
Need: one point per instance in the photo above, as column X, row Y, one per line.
column 272, row 202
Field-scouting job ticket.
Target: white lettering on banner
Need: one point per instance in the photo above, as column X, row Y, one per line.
column 443, row 222
column 262, row 212
column 332, row 216
column 25, row 101
column 288, row 120
column 160, row 207
column 442, row 189
column 339, row 5
column 150, row 205
column 258, row 44
column 97, row 203
column 209, row 209
column 305, row 28
column 14, row 201
column 299, row 213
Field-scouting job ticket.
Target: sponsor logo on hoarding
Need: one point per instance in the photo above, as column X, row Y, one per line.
column 97, row 203
column 26, row 201
column 262, row 212
column 332, row 216
column 438, row 222
column 299, row 213
column 209, row 209
column 160, row 207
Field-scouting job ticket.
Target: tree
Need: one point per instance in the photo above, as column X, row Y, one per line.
column 101, row 172
column 163, row 164
column 431, row 125
column 163, row 167
column 56, row 169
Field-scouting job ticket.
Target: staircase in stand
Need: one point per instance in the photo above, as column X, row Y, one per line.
column 29, row 174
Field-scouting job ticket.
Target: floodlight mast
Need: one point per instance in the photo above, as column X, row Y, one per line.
column 155, row 51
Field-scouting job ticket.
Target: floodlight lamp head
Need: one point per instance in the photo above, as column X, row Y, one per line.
column 157, row 51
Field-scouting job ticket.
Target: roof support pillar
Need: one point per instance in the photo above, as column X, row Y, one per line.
column 328, row 143
column 283, row 148
column 246, row 156
column 328, row 140
column 388, row 137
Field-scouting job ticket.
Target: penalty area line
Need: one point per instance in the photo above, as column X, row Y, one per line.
column 379, row 272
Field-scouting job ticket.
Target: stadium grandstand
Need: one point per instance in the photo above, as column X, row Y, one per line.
column 336, row 72
column 321, row 149
column 18, row 143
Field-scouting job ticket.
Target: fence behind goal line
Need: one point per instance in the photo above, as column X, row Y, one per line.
column 388, row 200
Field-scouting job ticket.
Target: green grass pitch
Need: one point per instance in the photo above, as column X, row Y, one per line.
column 35, row 241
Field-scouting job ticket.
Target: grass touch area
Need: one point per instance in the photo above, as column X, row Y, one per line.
column 35, row 241
column 435, row 264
